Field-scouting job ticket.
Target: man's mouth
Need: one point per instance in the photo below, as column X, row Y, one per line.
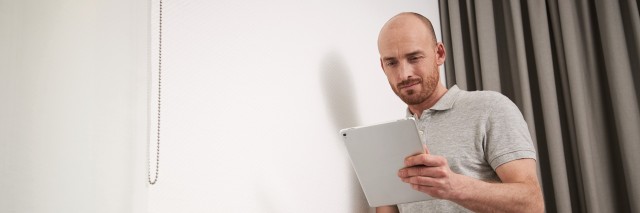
column 408, row 83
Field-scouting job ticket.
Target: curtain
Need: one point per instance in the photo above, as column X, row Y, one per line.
column 572, row 67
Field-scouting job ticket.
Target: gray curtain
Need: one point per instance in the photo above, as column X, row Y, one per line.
column 572, row 67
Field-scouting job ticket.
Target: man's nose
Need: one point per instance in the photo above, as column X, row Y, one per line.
column 405, row 70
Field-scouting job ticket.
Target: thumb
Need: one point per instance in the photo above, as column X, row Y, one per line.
column 426, row 150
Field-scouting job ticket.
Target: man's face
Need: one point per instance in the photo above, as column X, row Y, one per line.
column 410, row 60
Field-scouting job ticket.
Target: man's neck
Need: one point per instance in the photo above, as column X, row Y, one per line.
column 429, row 102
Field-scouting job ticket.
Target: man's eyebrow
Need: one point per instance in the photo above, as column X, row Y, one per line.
column 414, row 53
column 389, row 58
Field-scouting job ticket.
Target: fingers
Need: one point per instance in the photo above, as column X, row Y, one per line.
column 424, row 181
column 430, row 190
column 425, row 160
column 436, row 172
column 432, row 186
column 428, row 173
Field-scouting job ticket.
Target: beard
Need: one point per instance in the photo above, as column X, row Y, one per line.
column 416, row 96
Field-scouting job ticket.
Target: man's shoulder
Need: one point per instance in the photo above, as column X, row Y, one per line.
column 484, row 95
column 484, row 99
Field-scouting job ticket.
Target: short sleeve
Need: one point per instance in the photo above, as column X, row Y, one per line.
column 507, row 136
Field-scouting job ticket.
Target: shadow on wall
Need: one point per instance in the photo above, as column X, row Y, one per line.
column 338, row 92
column 339, row 96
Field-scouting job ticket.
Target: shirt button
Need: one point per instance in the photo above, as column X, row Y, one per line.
column 421, row 132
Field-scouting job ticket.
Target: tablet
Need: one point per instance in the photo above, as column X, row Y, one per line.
column 377, row 153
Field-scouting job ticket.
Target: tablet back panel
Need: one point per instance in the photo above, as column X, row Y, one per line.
column 377, row 153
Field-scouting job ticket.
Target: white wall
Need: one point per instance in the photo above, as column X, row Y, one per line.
column 73, row 105
column 254, row 93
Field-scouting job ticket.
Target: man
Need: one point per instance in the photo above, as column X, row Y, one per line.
column 479, row 155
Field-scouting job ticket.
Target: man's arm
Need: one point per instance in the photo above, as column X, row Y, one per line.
column 518, row 192
column 387, row 209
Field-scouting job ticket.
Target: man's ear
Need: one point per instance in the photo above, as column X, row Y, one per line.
column 440, row 53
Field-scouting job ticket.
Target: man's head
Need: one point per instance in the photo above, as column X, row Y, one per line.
column 410, row 56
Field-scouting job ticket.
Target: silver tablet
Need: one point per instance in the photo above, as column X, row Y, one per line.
column 377, row 153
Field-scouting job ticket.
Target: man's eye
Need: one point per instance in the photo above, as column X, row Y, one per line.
column 391, row 63
column 415, row 58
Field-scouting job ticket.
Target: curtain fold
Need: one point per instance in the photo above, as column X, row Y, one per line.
column 572, row 69
column 548, row 120
column 625, row 110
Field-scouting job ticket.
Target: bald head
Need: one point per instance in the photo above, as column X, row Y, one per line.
column 407, row 22
column 410, row 57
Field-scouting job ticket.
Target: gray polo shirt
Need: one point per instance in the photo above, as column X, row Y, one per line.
column 477, row 132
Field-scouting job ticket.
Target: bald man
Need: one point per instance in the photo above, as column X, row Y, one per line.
column 479, row 155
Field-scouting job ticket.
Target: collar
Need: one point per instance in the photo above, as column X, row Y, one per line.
column 446, row 101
